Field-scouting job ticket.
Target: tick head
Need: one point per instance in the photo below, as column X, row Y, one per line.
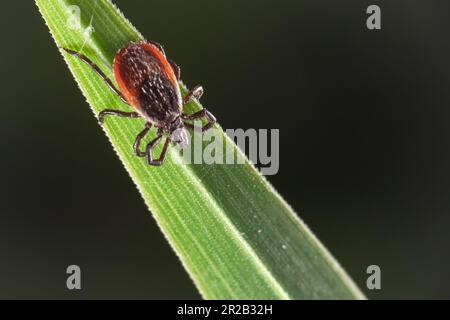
column 178, row 133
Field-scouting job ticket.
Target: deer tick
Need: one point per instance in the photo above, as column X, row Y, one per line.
column 148, row 82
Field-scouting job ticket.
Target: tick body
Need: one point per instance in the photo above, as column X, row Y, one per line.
column 148, row 82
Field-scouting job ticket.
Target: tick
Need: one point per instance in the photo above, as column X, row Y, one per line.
column 148, row 82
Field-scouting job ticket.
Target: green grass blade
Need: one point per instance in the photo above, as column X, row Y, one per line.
column 234, row 234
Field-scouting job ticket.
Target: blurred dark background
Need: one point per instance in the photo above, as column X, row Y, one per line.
column 363, row 118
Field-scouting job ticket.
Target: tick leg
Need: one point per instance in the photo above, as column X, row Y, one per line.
column 139, row 137
column 98, row 71
column 159, row 46
column 202, row 113
column 162, row 157
column 111, row 112
column 176, row 69
column 195, row 93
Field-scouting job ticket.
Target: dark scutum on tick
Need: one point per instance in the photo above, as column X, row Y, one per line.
column 148, row 82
